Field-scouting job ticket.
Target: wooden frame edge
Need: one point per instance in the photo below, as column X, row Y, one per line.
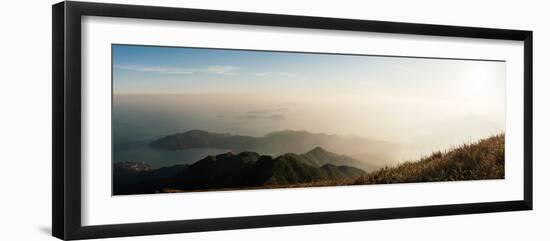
column 66, row 107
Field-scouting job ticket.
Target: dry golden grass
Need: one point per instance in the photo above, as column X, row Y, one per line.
column 482, row 160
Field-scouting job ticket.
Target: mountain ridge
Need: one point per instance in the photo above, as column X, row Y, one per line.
column 250, row 169
column 241, row 170
column 282, row 142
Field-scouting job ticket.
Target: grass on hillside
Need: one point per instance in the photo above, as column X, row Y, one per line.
column 482, row 160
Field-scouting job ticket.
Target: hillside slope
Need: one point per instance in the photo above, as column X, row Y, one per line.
column 249, row 169
column 482, row 160
column 478, row 161
column 228, row 170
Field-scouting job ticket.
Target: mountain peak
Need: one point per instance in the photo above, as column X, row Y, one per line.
column 318, row 149
column 196, row 132
column 224, row 155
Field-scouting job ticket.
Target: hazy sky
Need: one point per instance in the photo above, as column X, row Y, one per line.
column 139, row 69
column 428, row 102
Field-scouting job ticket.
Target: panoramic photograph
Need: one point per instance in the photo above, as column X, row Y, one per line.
column 188, row 119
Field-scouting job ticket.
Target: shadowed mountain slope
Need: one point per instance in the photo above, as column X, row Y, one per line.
column 228, row 170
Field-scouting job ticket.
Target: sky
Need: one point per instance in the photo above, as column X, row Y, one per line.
column 141, row 69
column 431, row 103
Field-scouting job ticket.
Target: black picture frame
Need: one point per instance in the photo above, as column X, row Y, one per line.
column 66, row 75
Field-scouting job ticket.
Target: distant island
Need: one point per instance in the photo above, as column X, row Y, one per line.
column 316, row 167
column 370, row 152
